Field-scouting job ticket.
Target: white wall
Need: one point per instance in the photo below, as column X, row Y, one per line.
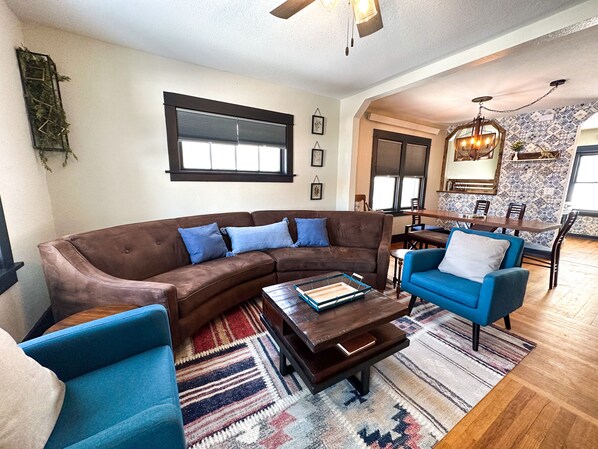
column 364, row 164
column 114, row 103
column 23, row 190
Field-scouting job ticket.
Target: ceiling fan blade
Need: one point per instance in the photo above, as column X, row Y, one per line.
column 371, row 26
column 290, row 7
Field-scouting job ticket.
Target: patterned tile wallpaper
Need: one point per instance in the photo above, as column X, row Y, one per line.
column 542, row 185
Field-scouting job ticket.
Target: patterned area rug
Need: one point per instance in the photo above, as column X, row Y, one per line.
column 233, row 396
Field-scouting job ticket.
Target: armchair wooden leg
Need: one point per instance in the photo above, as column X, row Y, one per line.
column 475, row 336
column 412, row 303
column 507, row 319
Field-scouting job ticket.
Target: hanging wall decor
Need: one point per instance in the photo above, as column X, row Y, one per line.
column 317, row 156
column 317, row 123
column 47, row 120
column 316, row 189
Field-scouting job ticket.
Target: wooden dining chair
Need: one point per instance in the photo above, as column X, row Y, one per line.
column 516, row 211
column 548, row 257
column 361, row 203
column 420, row 235
column 481, row 208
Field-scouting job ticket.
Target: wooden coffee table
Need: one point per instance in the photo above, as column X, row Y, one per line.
column 308, row 339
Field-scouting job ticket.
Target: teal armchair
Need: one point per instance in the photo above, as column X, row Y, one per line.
column 500, row 293
column 121, row 389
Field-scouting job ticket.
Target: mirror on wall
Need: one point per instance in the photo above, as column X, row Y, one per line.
column 473, row 165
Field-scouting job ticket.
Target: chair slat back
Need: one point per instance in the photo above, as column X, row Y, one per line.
column 515, row 210
column 415, row 219
column 481, row 207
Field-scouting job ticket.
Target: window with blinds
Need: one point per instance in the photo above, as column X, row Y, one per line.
column 215, row 141
column 399, row 170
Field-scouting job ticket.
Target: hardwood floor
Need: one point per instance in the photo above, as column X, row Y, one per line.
column 550, row 400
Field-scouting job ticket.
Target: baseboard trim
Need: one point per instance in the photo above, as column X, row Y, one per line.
column 582, row 236
column 42, row 325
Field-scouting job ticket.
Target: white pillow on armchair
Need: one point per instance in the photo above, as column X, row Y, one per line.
column 31, row 401
column 472, row 256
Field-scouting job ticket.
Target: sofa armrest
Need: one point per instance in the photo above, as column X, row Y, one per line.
column 80, row 349
column 383, row 258
column 75, row 285
column 421, row 260
column 155, row 428
column 502, row 292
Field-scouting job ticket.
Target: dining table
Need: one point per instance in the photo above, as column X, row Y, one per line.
column 491, row 221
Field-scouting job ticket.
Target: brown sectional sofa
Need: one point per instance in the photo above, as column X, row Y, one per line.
column 147, row 263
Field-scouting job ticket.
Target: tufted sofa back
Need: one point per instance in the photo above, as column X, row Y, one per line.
column 350, row 229
column 138, row 251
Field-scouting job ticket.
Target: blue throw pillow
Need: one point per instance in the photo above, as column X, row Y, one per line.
column 256, row 238
column 203, row 243
column 312, row 232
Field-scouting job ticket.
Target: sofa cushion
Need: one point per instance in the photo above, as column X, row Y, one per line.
column 257, row 238
column 197, row 283
column 311, row 232
column 140, row 250
column 107, row 396
column 328, row 258
column 456, row 288
column 203, row 242
column 32, row 396
column 345, row 228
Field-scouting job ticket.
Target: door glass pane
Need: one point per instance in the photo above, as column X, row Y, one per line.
column 585, row 196
column 196, row 154
column 384, row 192
column 410, row 190
column 269, row 159
column 588, row 169
column 247, row 158
column 223, row 156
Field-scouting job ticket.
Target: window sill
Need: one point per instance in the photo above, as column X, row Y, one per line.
column 190, row 175
column 8, row 276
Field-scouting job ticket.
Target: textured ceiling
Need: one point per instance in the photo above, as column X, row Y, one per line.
column 306, row 51
column 513, row 78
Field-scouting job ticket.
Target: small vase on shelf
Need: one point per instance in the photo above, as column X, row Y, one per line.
column 516, row 156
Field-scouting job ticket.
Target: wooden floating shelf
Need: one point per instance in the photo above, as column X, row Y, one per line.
column 535, row 156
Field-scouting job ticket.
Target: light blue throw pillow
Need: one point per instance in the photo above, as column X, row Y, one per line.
column 256, row 238
column 312, row 232
column 204, row 243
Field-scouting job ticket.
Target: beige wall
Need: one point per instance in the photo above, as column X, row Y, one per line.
column 114, row 103
column 23, row 190
column 588, row 137
column 364, row 164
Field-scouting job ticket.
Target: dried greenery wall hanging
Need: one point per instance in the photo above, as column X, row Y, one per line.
column 47, row 120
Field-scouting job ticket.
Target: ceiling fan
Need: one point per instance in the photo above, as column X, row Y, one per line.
column 366, row 13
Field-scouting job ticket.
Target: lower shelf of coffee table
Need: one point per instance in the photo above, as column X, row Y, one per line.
column 322, row 369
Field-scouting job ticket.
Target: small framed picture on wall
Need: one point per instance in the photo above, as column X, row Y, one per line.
column 317, row 124
column 317, row 157
column 316, row 191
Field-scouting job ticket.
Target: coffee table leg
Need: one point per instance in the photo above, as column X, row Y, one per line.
column 363, row 384
column 283, row 367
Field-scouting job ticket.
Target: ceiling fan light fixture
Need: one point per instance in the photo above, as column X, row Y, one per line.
column 363, row 10
column 329, row 5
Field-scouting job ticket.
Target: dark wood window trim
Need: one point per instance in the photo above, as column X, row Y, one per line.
column 581, row 151
column 172, row 101
column 404, row 139
column 8, row 267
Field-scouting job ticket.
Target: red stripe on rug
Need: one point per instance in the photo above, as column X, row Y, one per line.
column 239, row 322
